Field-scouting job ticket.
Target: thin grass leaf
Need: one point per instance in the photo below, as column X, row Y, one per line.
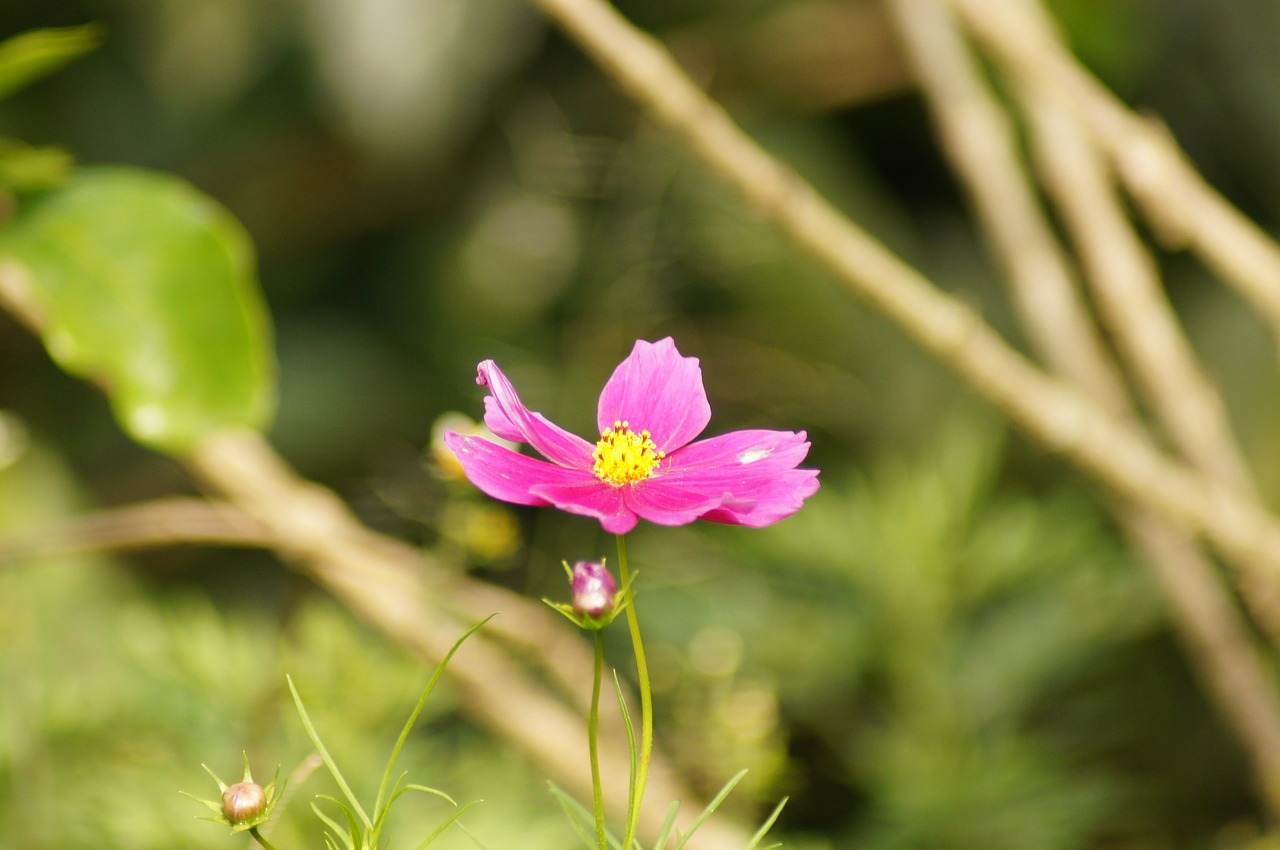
column 335, row 829
column 396, row 790
column 353, row 826
column 576, row 818
column 711, row 807
column 328, row 759
column 413, row 716
column 582, row 819
column 665, row 833
column 448, row 823
column 469, row 834
column 427, row 790
column 766, row 826
column 633, row 773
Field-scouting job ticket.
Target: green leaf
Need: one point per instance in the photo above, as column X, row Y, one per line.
column 142, row 283
column 29, row 56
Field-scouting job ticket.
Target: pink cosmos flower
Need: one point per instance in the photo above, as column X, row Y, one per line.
column 645, row 463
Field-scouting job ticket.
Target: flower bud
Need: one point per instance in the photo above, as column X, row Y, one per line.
column 594, row 589
column 243, row 802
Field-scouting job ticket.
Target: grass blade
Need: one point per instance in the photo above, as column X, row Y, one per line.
column 328, row 759
column 711, row 807
column 413, row 716
column 766, row 826
column 440, row 829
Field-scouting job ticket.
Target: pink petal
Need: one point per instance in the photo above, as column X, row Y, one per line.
column 770, row 501
column 752, row 472
column 657, row 390
column 739, row 454
column 509, row 419
column 665, row 503
column 591, row 498
column 507, row 475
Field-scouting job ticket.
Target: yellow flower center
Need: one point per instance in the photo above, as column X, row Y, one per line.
column 623, row 456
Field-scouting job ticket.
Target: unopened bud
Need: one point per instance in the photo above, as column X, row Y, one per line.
column 243, row 802
column 594, row 590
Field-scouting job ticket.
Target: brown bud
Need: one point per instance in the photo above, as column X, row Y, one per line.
column 243, row 802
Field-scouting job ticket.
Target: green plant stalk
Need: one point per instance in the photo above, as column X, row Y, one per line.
column 593, row 742
column 646, row 702
column 383, row 803
column 257, row 836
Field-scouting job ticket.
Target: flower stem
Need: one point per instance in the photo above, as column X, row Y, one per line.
column 593, row 734
column 646, row 702
column 257, row 836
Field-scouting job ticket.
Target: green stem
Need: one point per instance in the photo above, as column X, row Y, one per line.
column 257, row 836
column 593, row 736
column 646, row 702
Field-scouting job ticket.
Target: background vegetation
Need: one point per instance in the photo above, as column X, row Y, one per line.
column 950, row 646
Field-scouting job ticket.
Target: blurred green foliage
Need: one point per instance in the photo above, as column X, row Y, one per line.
column 948, row 647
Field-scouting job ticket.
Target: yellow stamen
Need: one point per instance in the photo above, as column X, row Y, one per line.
column 623, row 456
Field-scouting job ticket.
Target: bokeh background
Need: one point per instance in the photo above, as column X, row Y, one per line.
column 949, row 647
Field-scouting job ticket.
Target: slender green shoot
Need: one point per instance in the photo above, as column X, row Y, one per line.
column 667, row 825
column 632, row 750
column 257, row 836
column 413, row 716
column 593, row 742
column 711, row 807
column 580, row 818
column 328, row 759
column 766, row 826
column 646, row 702
column 351, row 835
column 354, row 837
column 447, row 823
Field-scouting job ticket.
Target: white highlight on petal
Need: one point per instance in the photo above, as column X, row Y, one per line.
column 753, row 455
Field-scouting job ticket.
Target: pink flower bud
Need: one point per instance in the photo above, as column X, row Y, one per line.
column 243, row 802
column 594, row 589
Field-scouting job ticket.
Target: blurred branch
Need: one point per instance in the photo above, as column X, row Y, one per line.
column 1050, row 411
column 981, row 144
column 808, row 54
column 177, row 521
column 979, row 140
column 1183, row 208
column 398, row 590
column 151, row 525
column 1128, row 292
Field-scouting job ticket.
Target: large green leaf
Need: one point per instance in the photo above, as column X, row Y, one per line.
column 147, row 286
